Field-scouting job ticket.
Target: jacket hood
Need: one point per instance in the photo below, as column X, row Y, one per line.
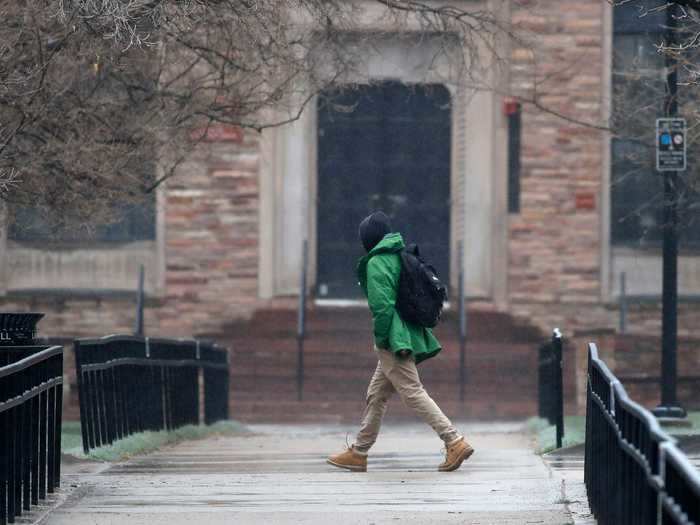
column 373, row 228
column 390, row 243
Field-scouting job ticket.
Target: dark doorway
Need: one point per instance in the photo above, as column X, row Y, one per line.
column 383, row 146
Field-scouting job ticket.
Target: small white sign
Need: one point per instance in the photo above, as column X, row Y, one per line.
column 670, row 144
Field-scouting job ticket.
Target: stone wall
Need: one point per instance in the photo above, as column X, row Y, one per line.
column 554, row 243
column 212, row 238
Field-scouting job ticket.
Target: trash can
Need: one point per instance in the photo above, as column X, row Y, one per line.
column 18, row 336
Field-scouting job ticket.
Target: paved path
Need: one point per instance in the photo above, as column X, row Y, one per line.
column 278, row 476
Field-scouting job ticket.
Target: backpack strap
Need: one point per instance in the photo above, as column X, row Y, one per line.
column 412, row 249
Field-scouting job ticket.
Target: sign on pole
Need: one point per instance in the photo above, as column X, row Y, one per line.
column 670, row 144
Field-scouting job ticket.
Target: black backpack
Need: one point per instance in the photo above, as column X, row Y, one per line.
column 421, row 294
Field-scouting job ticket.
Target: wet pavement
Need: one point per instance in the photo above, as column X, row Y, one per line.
column 278, row 475
column 690, row 444
column 567, row 466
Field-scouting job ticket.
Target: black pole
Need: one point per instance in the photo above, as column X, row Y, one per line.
column 623, row 302
column 669, row 325
column 559, row 383
column 301, row 322
column 139, row 304
column 462, row 326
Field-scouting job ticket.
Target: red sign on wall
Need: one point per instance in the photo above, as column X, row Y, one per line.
column 585, row 201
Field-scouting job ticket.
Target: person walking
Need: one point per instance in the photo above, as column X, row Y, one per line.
column 400, row 346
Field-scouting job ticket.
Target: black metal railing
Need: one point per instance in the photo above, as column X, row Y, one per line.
column 550, row 384
column 129, row 384
column 31, row 397
column 634, row 472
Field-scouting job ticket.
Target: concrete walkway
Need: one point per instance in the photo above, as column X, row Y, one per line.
column 278, row 476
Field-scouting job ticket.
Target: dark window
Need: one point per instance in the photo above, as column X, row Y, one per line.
column 514, row 157
column 130, row 219
column 637, row 193
column 382, row 146
column 137, row 223
column 638, row 96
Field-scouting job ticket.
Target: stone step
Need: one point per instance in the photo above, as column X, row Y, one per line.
column 350, row 388
column 291, row 411
column 491, row 371
column 482, row 325
column 363, row 342
column 501, row 364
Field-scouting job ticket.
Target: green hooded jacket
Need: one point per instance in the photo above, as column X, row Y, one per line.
column 378, row 273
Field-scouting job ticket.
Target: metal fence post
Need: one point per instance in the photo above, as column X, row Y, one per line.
column 82, row 401
column 26, row 445
column 43, row 432
column 623, row 302
column 4, row 467
column 138, row 330
column 662, row 477
column 31, row 431
column 59, row 418
column 588, row 440
column 462, row 325
column 12, row 460
column 559, row 384
column 301, row 321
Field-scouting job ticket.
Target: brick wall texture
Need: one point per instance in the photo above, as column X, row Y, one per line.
column 554, row 245
column 212, row 238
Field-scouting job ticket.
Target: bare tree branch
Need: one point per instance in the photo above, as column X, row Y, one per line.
column 95, row 93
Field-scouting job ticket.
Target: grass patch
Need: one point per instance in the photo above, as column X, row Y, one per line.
column 575, row 431
column 694, row 418
column 70, row 435
column 546, row 434
column 143, row 442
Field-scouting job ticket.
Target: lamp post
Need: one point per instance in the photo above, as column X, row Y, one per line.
column 669, row 407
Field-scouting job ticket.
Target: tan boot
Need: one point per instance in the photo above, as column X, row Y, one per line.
column 456, row 453
column 350, row 459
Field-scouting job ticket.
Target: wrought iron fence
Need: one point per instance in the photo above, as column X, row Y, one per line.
column 129, row 384
column 550, row 384
column 634, row 472
column 31, row 397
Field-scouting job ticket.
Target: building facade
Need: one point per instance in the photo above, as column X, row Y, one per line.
column 514, row 186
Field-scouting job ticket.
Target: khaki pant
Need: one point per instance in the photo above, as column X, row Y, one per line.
column 399, row 374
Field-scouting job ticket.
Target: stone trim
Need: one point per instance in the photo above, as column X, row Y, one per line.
column 606, row 163
column 292, row 175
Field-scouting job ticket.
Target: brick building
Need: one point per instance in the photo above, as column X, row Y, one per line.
column 525, row 188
